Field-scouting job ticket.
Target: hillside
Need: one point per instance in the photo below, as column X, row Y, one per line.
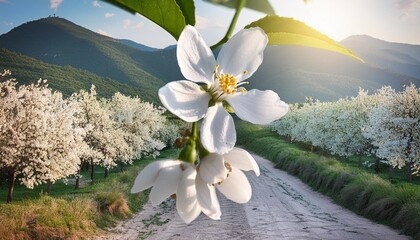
column 137, row 45
column 66, row 79
column 58, row 41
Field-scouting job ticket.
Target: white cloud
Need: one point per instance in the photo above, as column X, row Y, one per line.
column 3, row 1
column 96, row 4
column 204, row 23
column 8, row 24
column 140, row 25
column 108, row 15
column 126, row 23
column 102, row 32
column 407, row 5
column 407, row 8
column 54, row 4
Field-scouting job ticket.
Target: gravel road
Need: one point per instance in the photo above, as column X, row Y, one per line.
column 281, row 207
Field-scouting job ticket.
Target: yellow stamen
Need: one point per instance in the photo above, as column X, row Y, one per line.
column 227, row 83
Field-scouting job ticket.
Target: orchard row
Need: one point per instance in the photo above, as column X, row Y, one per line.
column 45, row 137
column 385, row 124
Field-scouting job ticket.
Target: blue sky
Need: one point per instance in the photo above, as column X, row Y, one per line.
column 390, row 20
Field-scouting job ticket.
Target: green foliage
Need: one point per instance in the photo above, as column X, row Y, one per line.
column 171, row 15
column 396, row 204
column 263, row 6
column 58, row 41
column 287, row 31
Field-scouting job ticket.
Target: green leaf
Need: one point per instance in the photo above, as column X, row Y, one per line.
column 188, row 9
column 171, row 15
column 287, row 31
column 257, row 5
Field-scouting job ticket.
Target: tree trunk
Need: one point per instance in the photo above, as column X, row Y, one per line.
column 92, row 172
column 359, row 163
column 77, row 186
column 390, row 171
column 122, row 166
column 409, row 172
column 106, row 172
column 78, row 176
column 49, row 184
column 12, row 178
column 377, row 161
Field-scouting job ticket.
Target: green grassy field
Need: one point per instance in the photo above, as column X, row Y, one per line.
column 67, row 213
column 388, row 201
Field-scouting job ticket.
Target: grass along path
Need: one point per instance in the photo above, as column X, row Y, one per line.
column 73, row 214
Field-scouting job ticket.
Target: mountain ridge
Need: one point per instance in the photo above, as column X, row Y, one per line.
column 58, row 41
column 292, row 71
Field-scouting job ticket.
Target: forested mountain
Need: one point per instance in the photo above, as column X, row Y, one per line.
column 63, row 78
column 58, row 41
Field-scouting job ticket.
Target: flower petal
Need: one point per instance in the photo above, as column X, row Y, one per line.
column 207, row 199
column 236, row 187
column 258, row 107
column 186, row 195
column 241, row 159
column 212, row 168
column 218, row 130
column 166, row 184
column 195, row 59
column 244, row 51
column 185, row 99
column 189, row 216
column 148, row 175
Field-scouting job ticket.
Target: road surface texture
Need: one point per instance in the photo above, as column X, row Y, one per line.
column 281, row 207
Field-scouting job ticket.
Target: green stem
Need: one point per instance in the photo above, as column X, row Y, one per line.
column 189, row 152
column 239, row 6
column 194, row 131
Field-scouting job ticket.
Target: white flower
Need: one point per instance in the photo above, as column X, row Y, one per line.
column 170, row 177
column 224, row 172
column 220, row 85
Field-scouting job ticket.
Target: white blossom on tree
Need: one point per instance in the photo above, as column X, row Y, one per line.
column 38, row 137
column 385, row 124
column 140, row 123
column 105, row 142
column 395, row 130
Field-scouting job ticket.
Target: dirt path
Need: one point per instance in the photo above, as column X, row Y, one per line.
column 282, row 207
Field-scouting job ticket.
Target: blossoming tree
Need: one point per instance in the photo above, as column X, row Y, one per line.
column 141, row 124
column 105, row 142
column 385, row 124
column 394, row 128
column 38, row 138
